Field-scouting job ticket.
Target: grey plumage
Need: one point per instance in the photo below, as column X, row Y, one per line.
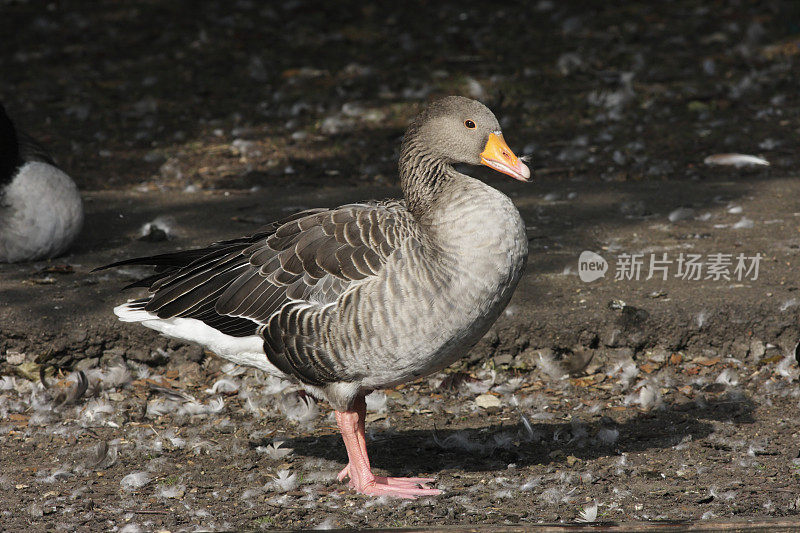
column 368, row 295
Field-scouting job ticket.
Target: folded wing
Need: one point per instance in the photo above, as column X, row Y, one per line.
column 275, row 282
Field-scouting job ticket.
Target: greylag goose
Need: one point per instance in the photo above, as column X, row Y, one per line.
column 41, row 211
column 363, row 296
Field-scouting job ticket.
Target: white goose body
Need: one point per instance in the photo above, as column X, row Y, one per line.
column 362, row 296
column 41, row 214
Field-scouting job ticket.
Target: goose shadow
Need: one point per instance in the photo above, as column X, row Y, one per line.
column 494, row 447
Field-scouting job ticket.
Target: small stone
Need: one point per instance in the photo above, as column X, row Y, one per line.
column 86, row 364
column 113, row 357
column 504, row 358
column 15, row 358
column 619, row 354
column 151, row 357
column 190, row 373
column 194, row 353
column 488, row 401
column 658, row 355
column 740, row 350
column 78, row 337
column 526, row 359
column 138, row 354
column 579, row 359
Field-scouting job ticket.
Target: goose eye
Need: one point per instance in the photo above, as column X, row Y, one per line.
column 469, row 124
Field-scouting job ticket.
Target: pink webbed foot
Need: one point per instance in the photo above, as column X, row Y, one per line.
column 351, row 424
column 399, row 487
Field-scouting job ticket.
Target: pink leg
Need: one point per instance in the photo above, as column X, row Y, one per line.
column 351, row 424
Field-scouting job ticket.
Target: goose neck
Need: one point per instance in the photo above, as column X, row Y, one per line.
column 423, row 177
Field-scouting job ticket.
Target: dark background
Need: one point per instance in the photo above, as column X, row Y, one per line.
column 216, row 117
column 603, row 90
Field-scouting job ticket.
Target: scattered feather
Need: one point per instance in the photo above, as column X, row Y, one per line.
column 171, row 491
column 788, row 368
column 159, row 229
column 627, row 371
column 159, row 407
column 728, row 377
column 531, row 484
column 736, row 160
column 274, row 450
column 233, row 370
column 792, row 302
column 649, row 396
column 135, row 481
column 223, row 385
column 588, row 513
column 701, row 318
column 328, row 523
column 194, row 407
column 377, row 401
column 285, row 481
column 8, row 383
column 299, row 408
column 682, row 213
column 529, row 433
column 608, row 436
column 555, row 495
column 102, row 456
column 461, row 441
column 96, row 409
column 551, row 367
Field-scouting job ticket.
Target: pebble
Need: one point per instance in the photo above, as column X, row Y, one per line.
column 488, row 401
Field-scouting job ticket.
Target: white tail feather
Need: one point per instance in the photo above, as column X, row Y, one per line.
column 247, row 351
column 127, row 314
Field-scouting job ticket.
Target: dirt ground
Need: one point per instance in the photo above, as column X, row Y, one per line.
column 624, row 399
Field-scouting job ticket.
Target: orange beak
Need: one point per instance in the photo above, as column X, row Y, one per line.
column 498, row 155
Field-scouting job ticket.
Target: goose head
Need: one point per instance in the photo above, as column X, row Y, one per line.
column 459, row 130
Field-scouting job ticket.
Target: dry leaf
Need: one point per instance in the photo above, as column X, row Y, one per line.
column 648, row 368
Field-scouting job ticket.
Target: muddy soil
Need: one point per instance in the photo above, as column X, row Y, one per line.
column 621, row 399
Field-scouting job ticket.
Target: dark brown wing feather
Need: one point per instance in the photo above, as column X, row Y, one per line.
column 264, row 283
